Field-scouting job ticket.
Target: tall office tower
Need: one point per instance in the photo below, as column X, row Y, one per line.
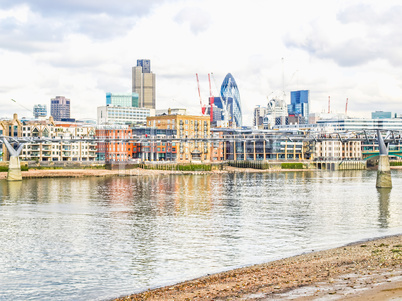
column 144, row 84
column 299, row 105
column 60, row 108
column 39, row 111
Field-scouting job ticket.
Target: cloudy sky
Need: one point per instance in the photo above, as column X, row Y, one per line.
column 82, row 49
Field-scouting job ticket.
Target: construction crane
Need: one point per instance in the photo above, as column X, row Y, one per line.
column 21, row 105
column 203, row 107
column 211, row 100
column 329, row 104
column 346, row 107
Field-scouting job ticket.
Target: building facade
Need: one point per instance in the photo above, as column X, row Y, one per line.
column 39, row 111
column 186, row 126
column 143, row 83
column 122, row 100
column 299, row 105
column 60, row 108
column 108, row 115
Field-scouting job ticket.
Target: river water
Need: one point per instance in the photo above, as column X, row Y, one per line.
column 99, row 238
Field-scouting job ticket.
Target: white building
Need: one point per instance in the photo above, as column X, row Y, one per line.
column 108, row 115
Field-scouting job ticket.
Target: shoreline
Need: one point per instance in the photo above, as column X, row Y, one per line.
column 356, row 271
column 80, row 173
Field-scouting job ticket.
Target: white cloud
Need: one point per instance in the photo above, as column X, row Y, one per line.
column 345, row 49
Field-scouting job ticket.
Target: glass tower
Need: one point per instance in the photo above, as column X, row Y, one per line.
column 230, row 93
column 299, row 104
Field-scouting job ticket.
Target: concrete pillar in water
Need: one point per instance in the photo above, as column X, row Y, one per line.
column 14, row 166
column 384, row 171
column 14, row 169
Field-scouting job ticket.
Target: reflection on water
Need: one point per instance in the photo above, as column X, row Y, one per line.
column 383, row 200
column 98, row 238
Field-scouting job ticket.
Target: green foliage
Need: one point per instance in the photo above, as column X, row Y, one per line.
column 395, row 163
column 3, row 168
column 292, row 165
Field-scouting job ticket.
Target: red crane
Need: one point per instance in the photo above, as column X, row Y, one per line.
column 211, row 100
column 346, row 108
column 203, row 107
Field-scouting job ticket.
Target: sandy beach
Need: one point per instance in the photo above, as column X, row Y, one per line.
column 370, row 270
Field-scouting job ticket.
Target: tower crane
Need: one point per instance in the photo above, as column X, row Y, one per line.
column 203, row 107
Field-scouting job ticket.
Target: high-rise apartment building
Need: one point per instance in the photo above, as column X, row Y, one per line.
column 60, row 108
column 39, row 111
column 143, row 83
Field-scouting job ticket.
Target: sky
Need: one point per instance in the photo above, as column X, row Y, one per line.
column 82, row 49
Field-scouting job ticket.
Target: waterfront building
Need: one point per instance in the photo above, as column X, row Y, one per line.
column 59, row 149
column 143, row 83
column 336, row 150
column 122, row 99
column 111, row 114
column 383, row 115
column 60, row 108
column 299, row 105
column 39, row 111
column 114, row 150
column 186, row 126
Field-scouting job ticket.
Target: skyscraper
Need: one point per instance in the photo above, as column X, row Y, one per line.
column 299, row 104
column 60, row 108
column 143, row 83
column 230, row 92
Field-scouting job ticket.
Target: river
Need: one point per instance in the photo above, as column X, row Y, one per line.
column 99, row 238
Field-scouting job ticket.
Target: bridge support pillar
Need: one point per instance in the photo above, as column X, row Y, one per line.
column 14, row 169
column 384, row 173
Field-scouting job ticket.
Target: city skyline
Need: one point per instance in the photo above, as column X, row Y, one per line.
column 344, row 50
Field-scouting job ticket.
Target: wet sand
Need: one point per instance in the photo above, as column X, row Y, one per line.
column 370, row 270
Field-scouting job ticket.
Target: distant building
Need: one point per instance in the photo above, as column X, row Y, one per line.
column 122, row 100
column 230, row 94
column 169, row 111
column 356, row 124
column 383, row 115
column 39, row 111
column 258, row 116
column 108, row 115
column 299, row 105
column 143, row 83
column 60, row 108
column 225, row 111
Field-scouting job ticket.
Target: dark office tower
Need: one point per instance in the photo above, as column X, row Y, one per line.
column 143, row 81
column 60, row 108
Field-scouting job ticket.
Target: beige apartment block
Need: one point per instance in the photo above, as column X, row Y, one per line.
column 187, row 126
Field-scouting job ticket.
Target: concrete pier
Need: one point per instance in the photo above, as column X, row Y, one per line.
column 384, row 173
column 14, row 169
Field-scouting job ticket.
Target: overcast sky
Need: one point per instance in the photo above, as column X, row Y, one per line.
column 82, row 49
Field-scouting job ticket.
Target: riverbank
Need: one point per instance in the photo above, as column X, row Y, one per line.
column 79, row 173
column 370, row 270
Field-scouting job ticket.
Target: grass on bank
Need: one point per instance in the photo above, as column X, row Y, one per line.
column 292, row 165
